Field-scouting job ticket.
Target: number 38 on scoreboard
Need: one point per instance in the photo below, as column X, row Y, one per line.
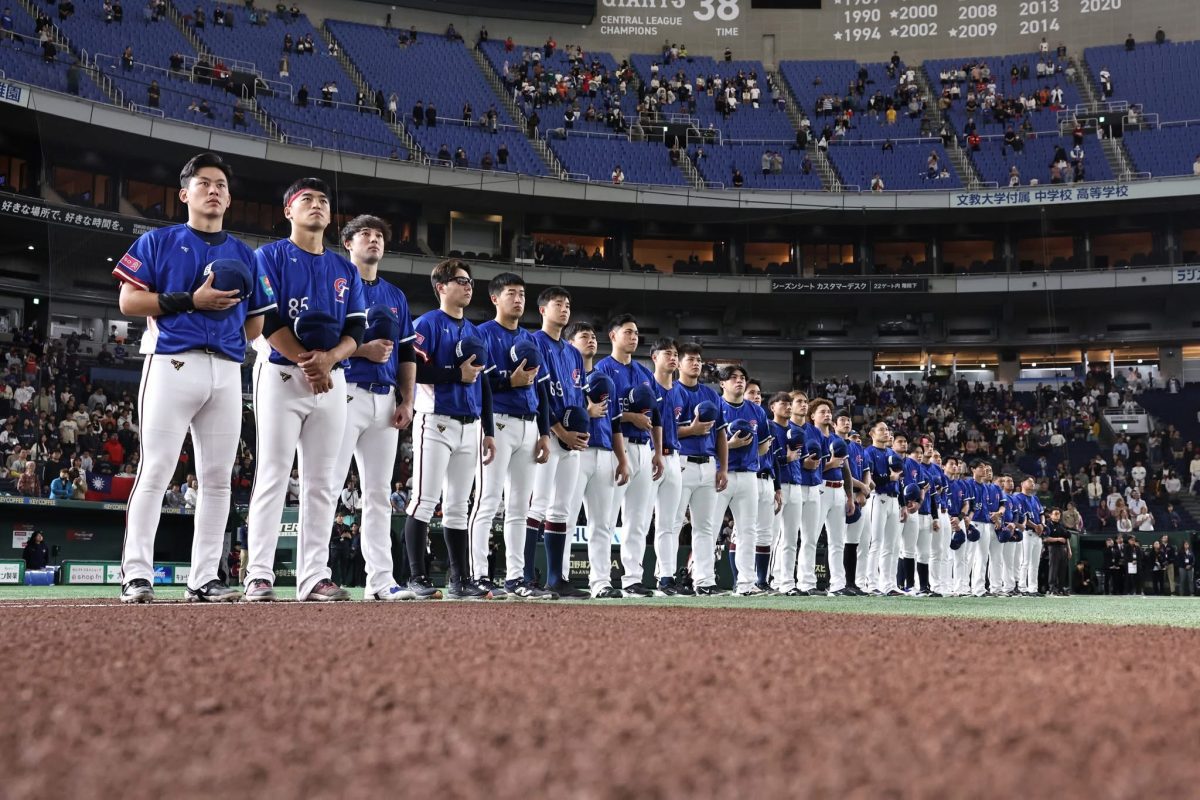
column 724, row 10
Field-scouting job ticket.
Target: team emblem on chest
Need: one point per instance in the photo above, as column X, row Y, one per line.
column 340, row 287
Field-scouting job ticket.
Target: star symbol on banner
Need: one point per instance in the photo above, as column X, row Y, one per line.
column 838, row 36
column 895, row 33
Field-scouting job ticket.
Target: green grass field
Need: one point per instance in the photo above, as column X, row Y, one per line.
column 1180, row 612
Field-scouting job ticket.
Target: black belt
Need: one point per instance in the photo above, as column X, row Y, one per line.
column 765, row 473
column 668, row 451
column 376, row 388
column 699, row 459
column 209, row 351
column 638, row 441
column 522, row 417
column 465, row 420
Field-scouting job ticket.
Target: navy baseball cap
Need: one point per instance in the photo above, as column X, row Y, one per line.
column 576, row 420
column 739, row 427
column 912, row 493
column 526, row 351
column 895, row 463
column 382, row 323
column 957, row 540
column 641, row 399
column 599, row 388
column 316, row 330
column 837, row 448
column 795, row 437
column 706, row 411
column 467, row 346
column 972, row 533
column 229, row 274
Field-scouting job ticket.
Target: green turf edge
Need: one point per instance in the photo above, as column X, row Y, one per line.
column 1181, row 612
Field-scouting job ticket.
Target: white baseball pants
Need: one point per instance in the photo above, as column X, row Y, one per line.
column 1031, row 559
column 741, row 497
column 635, row 500
column 371, row 440
column 290, row 418
column 783, row 557
column 511, row 476
column 666, row 518
column 885, row 543
column 835, row 534
column 594, row 490
column 698, row 491
column 178, row 392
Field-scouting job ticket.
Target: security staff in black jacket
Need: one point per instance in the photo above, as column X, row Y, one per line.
column 1113, row 568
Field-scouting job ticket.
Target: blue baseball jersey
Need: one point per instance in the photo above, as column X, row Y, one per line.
column 690, row 397
column 857, row 459
column 1034, row 511
column 929, row 478
column 563, row 365
column 516, row 402
column 601, row 428
column 938, row 486
column 812, row 438
column 787, row 471
column 877, row 465
column 173, row 259
column 766, row 461
column 364, row 370
column 743, row 459
column 625, row 377
column 831, row 474
column 961, row 494
column 1014, row 511
column 667, row 407
column 437, row 334
column 988, row 500
column 303, row 281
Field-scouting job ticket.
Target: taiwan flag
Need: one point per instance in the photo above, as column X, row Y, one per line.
column 109, row 488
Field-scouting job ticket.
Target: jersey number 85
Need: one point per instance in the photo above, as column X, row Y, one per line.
column 297, row 306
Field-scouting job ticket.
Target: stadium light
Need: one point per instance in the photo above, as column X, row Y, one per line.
column 37, row 301
column 1139, row 361
column 30, row 247
column 1034, row 364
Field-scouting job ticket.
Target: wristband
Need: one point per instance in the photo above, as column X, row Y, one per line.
column 176, row 302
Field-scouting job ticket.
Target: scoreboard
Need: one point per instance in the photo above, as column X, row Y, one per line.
column 929, row 21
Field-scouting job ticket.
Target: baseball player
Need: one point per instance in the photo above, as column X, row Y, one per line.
column 1031, row 545
column 554, row 482
column 300, row 394
column 380, row 382
column 741, row 494
column 643, row 448
column 770, row 496
column 885, row 468
column 835, row 499
column 1014, row 523
column 602, row 467
column 961, row 496
column 521, row 414
column 453, row 408
column 787, row 521
column 705, row 459
column 664, row 353
column 805, row 500
column 939, row 561
column 926, row 517
column 194, row 343
column 987, row 504
column 856, row 462
column 910, row 524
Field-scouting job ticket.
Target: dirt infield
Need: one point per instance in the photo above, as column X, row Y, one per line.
column 582, row 701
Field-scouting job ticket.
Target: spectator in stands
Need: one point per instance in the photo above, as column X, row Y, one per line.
column 191, row 492
column 173, row 497
column 6, row 25
column 36, row 554
column 153, row 94
column 1185, row 570
column 1159, row 566
column 452, row 34
column 460, row 158
column 28, row 484
column 487, row 162
column 737, row 180
column 73, row 76
column 1014, row 176
column 806, row 165
column 293, row 489
column 431, row 115
column 1129, row 43
column 1113, row 567
column 877, row 183
column 1196, row 166
column 618, row 176
column 49, row 51
column 205, row 109
column 239, row 116
column 1072, row 522
column 1160, row 36
column 398, row 498
column 79, row 487
column 302, row 96
column 295, row 12
column 1139, row 513
column 443, row 155
column 60, row 487
column 502, row 155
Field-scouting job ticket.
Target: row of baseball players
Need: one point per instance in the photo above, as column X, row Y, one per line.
column 510, row 416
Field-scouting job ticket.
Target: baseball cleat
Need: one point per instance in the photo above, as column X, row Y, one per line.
column 684, row 589
column 709, row 591
column 423, row 589
column 460, row 589
column 490, row 586
column 520, row 590
column 844, row 592
column 795, row 591
column 259, row 590
column 326, row 591
column 765, row 588
column 608, row 593
column 637, row 590
column 392, row 593
column 666, row 588
column 566, row 591
column 753, row 591
column 137, row 590
column 212, row 592
column 895, row 593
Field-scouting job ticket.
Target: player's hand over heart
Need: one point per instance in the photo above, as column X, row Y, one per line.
column 468, row 371
column 377, row 350
column 523, row 377
column 206, row 298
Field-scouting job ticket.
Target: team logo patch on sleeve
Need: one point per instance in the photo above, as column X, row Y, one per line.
column 420, row 338
column 130, row 263
column 266, row 284
column 340, row 287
